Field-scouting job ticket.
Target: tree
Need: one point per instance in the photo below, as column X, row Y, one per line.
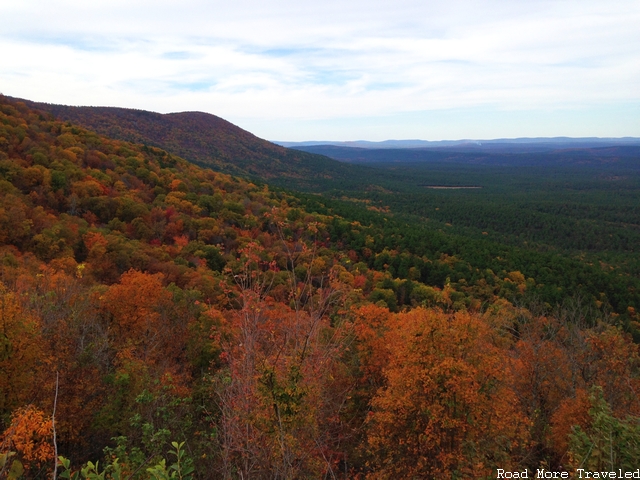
column 607, row 443
column 29, row 436
column 278, row 409
column 21, row 353
column 446, row 410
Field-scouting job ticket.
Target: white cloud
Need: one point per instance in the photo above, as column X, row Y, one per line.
column 266, row 64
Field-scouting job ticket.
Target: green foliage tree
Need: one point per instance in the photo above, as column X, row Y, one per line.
column 607, row 443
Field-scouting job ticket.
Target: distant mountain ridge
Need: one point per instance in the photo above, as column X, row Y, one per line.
column 502, row 144
column 204, row 139
column 500, row 154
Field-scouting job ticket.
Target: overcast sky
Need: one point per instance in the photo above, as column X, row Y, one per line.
column 339, row 70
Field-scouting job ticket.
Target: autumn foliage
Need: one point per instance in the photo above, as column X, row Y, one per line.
column 30, row 436
column 167, row 303
column 446, row 407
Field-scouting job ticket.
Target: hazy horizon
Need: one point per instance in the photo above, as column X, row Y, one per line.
column 500, row 139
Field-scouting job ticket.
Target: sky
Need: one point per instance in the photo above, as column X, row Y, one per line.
column 339, row 70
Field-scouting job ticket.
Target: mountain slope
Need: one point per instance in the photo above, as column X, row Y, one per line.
column 206, row 140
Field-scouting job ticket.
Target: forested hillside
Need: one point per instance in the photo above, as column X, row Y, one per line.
column 164, row 319
column 207, row 140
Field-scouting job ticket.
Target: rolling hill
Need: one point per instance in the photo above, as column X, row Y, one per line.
column 208, row 141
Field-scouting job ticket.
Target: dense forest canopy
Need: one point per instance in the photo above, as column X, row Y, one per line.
column 164, row 319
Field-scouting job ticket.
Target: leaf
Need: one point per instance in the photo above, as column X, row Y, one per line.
column 16, row 470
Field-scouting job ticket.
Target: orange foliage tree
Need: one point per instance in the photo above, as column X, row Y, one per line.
column 446, row 410
column 30, row 435
column 136, row 304
column 149, row 343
